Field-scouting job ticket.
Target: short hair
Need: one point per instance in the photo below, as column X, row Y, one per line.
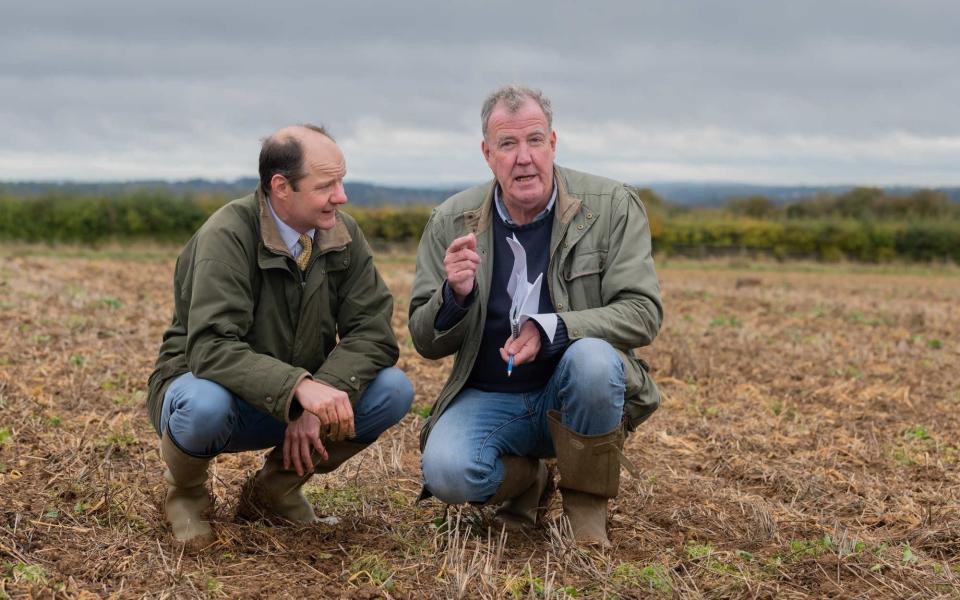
column 513, row 96
column 283, row 155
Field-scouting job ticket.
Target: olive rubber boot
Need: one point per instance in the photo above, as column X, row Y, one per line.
column 187, row 497
column 524, row 493
column 589, row 468
column 278, row 492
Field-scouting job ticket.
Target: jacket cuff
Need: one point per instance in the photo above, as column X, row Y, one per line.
column 451, row 312
column 292, row 409
column 560, row 341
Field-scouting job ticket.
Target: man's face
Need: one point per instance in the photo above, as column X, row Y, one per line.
column 314, row 203
column 520, row 148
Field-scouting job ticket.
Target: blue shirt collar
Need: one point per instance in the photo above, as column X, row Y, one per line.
column 289, row 235
column 505, row 214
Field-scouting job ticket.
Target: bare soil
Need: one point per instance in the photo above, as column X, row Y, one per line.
column 807, row 447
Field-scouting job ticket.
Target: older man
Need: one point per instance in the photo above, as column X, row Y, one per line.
column 281, row 338
column 564, row 383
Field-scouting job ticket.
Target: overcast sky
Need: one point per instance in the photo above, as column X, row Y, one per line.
column 864, row 92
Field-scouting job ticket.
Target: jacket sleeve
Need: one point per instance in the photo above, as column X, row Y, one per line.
column 221, row 304
column 631, row 311
column 367, row 343
column 427, row 296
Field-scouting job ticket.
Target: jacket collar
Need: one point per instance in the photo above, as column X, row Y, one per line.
column 324, row 240
column 479, row 220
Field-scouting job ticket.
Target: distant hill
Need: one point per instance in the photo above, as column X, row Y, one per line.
column 716, row 194
column 368, row 194
column 361, row 194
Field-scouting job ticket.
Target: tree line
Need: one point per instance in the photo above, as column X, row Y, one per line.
column 864, row 224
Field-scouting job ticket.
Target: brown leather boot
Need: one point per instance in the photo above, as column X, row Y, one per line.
column 187, row 497
column 274, row 492
column 589, row 468
column 524, row 493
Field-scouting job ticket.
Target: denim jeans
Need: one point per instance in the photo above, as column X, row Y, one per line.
column 204, row 419
column 461, row 461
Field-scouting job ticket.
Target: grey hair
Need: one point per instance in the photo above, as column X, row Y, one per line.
column 513, row 96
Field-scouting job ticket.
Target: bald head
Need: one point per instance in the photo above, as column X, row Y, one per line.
column 282, row 153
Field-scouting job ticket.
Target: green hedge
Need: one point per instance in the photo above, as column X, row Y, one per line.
column 162, row 216
column 823, row 239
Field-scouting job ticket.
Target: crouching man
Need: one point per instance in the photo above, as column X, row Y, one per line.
column 281, row 338
column 565, row 383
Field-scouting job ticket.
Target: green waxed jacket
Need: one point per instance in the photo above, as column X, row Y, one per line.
column 248, row 319
column 601, row 280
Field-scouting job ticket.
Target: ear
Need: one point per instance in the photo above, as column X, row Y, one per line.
column 553, row 140
column 279, row 186
column 486, row 153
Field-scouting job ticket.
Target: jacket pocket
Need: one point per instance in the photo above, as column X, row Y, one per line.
column 583, row 279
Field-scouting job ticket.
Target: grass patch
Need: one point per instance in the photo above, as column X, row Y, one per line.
column 632, row 576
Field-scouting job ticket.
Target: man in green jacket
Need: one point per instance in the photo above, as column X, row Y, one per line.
column 556, row 375
column 281, row 338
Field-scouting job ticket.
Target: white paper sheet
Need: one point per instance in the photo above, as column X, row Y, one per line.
column 525, row 296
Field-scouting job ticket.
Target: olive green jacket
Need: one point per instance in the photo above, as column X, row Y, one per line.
column 248, row 319
column 600, row 276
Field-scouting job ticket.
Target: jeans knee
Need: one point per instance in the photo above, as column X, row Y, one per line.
column 398, row 393
column 595, row 362
column 203, row 417
column 452, row 479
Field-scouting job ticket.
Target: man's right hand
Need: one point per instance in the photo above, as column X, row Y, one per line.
column 332, row 407
column 460, row 263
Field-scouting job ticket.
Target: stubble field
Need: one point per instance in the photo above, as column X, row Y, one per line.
column 808, row 446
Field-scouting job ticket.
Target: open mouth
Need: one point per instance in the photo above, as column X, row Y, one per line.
column 524, row 178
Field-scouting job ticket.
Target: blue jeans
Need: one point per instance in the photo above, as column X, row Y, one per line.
column 204, row 419
column 461, row 461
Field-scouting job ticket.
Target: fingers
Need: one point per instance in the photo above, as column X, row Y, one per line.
column 287, row 445
column 344, row 423
column 524, row 347
column 307, row 464
column 318, row 446
column 461, row 262
column 468, row 241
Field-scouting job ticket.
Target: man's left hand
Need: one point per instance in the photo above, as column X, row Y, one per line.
column 302, row 434
column 524, row 347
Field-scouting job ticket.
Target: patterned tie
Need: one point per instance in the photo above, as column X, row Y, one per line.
column 307, row 248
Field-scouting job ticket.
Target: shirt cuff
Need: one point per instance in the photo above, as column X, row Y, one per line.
column 450, row 312
column 560, row 341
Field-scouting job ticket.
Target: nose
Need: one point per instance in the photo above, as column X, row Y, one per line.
column 523, row 154
column 340, row 194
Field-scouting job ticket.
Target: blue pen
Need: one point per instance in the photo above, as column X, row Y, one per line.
column 514, row 333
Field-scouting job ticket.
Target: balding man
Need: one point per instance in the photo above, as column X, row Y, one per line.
column 281, row 338
column 565, row 383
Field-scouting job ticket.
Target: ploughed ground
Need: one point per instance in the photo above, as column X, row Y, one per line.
column 807, row 446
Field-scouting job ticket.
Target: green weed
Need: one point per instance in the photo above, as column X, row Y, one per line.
column 632, row 576
column 374, row 569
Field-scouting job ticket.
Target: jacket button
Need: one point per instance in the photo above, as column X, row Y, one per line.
column 560, row 306
column 580, row 226
column 346, row 262
column 269, row 399
column 589, row 215
column 352, row 378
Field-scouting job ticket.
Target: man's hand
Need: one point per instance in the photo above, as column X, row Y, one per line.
column 301, row 435
column 525, row 347
column 460, row 263
column 330, row 405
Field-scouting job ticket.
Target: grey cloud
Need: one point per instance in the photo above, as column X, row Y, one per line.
column 112, row 76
